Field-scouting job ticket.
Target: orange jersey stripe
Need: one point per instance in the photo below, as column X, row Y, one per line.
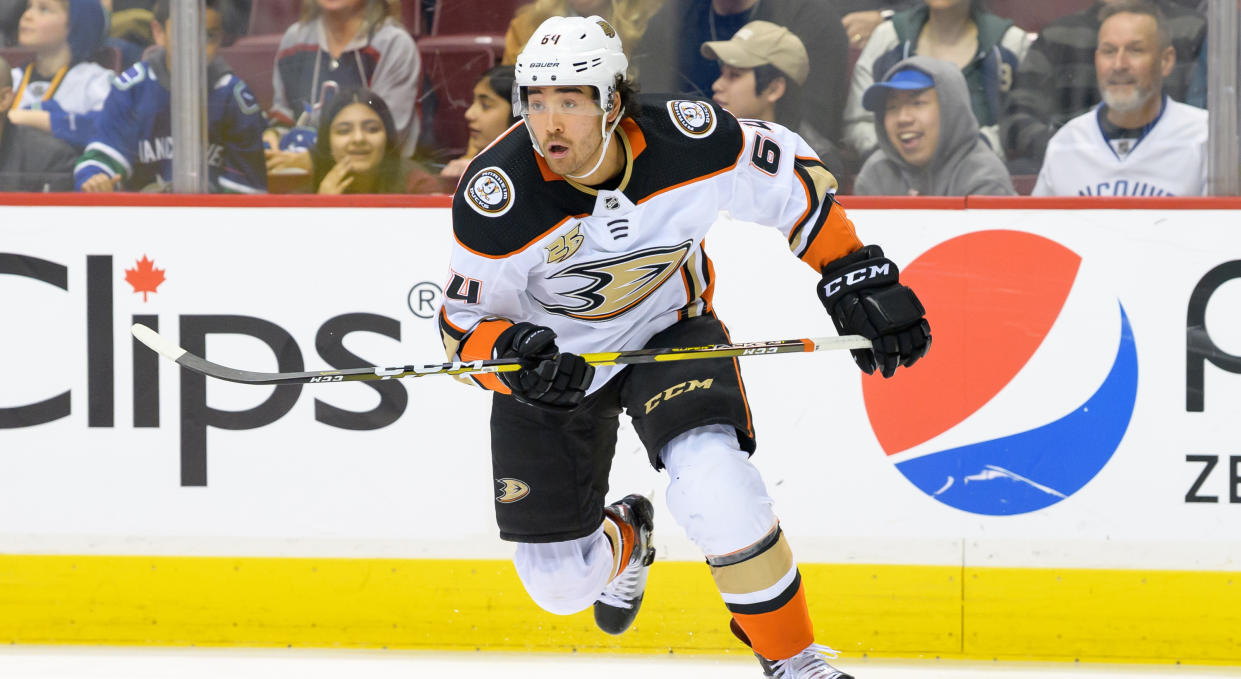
column 479, row 345
column 831, row 240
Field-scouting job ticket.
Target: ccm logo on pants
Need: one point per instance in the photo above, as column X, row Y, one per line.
column 676, row 390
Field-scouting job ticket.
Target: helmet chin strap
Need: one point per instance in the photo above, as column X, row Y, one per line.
column 607, row 139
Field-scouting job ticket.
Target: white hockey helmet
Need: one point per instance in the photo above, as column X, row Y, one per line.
column 570, row 51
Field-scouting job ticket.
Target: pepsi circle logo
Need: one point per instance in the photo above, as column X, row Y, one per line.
column 1029, row 387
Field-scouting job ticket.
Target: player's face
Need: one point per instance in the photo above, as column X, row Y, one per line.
column 911, row 119
column 734, row 90
column 566, row 122
column 488, row 115
column 45, row 23
column 1129, row 62
column 358, row 137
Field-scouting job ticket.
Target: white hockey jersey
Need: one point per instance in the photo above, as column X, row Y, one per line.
column 83, row 88
column 608, row 269
column 1169, row 160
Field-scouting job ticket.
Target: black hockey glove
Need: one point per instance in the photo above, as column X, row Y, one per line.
column 864, row 297
column 549, row 379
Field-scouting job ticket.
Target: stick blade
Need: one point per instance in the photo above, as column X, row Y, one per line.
column 156, row 342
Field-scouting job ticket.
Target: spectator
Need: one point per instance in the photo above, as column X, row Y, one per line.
column 986, row 48
column 30, row 159
column 129, row 28
column 762, row 70
column 1056, row 81
column 61, row 84
column 355, row 150
column 342, row 44
column 1139, row 141
column 628, row 17
column 862, row 16
column 132, row 148
column 489, row 115
column 669, row 58
column 929, row 144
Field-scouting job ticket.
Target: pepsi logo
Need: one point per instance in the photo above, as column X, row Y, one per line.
column 1030, row 385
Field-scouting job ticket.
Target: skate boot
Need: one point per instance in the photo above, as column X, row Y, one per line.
column 618, row 605
column 809, row 664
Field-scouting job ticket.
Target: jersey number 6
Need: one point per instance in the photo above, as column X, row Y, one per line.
column 766, row 156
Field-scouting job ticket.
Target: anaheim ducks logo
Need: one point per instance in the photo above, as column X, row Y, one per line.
column 618, row 284
column 512, row 490
column 490, row 192
column 607, row 28
column 694, row 119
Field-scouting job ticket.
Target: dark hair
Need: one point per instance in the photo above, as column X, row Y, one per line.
column 390, row 177
column 788, row 107
column 500, row 79
column 628, row 91
column 1146, row 7
column 163, row 9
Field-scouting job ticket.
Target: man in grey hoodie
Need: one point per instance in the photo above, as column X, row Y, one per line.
column 929, row 143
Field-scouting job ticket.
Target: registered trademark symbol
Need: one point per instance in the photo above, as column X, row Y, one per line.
column 424, row 299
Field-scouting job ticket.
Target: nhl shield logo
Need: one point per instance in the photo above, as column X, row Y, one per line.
column 694, row 119
column 490, row 192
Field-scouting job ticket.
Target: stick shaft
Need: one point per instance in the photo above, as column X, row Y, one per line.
column 198, row 364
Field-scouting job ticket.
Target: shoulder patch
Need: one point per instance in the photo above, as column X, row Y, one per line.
column 132, row 76
column 695, row 119
column 490, row 192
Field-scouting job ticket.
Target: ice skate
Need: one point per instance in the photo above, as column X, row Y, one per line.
column 618, row 605
column 811, row 663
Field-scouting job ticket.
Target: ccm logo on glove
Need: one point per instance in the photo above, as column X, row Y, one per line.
column 854, row 277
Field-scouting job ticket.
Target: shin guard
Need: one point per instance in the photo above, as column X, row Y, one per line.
column 763, row 590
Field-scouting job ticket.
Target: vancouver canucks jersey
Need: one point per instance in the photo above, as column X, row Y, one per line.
column 133, row 132
column 609, row 268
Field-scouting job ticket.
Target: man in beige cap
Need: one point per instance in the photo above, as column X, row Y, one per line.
column 762, row 70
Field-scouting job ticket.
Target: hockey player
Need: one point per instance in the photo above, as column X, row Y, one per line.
column 132, row 144
column 592, row 241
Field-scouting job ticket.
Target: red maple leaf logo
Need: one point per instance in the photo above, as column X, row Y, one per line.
column 144, row 277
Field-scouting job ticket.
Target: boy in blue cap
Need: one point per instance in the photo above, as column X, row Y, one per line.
column 929, row 142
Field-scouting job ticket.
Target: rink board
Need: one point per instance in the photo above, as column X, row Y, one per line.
column 163, row 509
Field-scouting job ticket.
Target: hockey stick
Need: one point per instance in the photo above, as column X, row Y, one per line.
column 158, row 343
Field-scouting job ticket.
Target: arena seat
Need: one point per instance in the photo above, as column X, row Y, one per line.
column 253, row 59
column 108, row 57
column 273, row 17
column 1032, row 16
column 411, row 17
column 461, row 17
column 1024, row 183
column 451, row 64
column 17, row 56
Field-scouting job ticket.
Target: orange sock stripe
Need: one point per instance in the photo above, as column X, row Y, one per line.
column 620, row 535
column 782, row 633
